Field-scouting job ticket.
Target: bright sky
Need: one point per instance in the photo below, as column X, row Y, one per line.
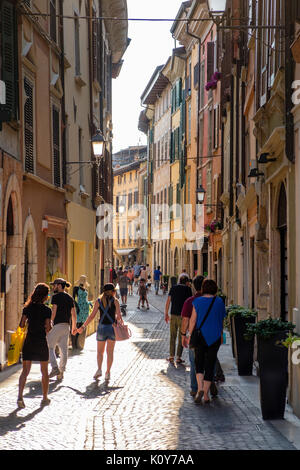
column 151, row 45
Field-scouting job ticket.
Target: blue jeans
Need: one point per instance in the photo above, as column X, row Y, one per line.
column 156, row 284
column 194, row 385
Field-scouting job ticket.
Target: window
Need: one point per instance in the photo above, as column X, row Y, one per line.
column 56, row 146
column 29, row 126
column 264, row 52
column 190, row 122
column 77, row 45
column 53, row 32
column 216, row 127
column 210, row 60
column 9, row 59
column 202, row 84
column 81, row 167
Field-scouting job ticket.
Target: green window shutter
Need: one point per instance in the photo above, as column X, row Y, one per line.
column 9, row 52
column 56, row 146
column 28, row 126
column 172, row 147
column 171, row 200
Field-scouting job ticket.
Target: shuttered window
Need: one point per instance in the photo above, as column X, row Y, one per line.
column 210, row 59
column 77, row 45
column 9, row 52
column 28, row 126
column 56, row 146
column 53, row 31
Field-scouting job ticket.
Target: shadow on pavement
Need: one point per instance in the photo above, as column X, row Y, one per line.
column 94, row 390
column 13, row 422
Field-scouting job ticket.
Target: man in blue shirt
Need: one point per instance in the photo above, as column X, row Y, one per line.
column 157, row 276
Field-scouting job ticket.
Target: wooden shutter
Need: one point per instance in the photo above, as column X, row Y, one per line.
column 9, row 51
column 29, row 127
column 196, row 75
column 210, row 60
column 56, row 146
column 94, row 44
column 53, row 20
column 77, row 45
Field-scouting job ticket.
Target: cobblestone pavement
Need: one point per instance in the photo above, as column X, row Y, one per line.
column 145, row 406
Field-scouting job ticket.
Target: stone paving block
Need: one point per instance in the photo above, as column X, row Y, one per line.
column 145, row 406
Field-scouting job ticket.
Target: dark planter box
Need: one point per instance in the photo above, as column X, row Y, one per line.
column 232, row 335
column 273, row 374
column 244, row 349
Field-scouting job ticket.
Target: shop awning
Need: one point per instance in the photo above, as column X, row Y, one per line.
column 124, row 252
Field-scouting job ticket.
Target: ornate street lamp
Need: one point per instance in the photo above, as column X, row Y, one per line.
column 98, row 144
column 200, row 194
column 217, row 10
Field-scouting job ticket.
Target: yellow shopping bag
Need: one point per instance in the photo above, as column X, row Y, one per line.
column 16, row 345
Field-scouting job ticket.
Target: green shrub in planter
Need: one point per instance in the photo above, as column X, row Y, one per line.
column 229, row 324
column 273, row 364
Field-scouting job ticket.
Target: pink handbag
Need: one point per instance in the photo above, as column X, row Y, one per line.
column 122, row 331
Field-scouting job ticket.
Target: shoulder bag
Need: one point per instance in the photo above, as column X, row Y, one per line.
column 121, row 330
column 196, row 336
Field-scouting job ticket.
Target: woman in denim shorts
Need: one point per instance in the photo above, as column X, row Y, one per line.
column 110, row 312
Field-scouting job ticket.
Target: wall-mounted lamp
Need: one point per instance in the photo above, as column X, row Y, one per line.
column 200, row 192
column 263, row 159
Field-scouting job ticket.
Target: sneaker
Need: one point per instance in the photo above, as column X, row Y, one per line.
column 98, row 374
column 54, row 372
column 107, row 376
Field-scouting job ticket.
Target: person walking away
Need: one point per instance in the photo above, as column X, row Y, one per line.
column 177, row 296
column 80, row 296
column 144, row 274
column 110, row 312
column 184, row 273
column 142, row 292
column 123, row 285
column 137, row 271
column 63, row 311
column 37, row 317
column 186, row 314
column 130, row 276
column 148, row 269
column 208, row 315
column 157, row 277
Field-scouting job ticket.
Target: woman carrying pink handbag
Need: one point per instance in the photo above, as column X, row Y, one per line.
column 111, row 327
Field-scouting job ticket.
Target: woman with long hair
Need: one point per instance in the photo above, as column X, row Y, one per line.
column 37, row 317
column 110, row 312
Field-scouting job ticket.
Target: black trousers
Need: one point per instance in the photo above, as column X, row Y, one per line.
column 205, row 358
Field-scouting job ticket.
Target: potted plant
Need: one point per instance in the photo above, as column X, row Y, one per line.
column 273, row 364
column 244, row 349
column 229, row 308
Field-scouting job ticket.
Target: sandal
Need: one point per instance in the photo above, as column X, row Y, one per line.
column 179, row 361
column 45, row 402
column 21, row 403
column 170, row 359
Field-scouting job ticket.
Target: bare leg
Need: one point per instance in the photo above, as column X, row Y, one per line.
column 100, row 353
column 206, row 389
column 23, row 378
column 200, row 383
column 45, row 379
column 110, row 354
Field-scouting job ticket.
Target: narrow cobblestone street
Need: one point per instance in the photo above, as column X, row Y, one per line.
column 146, row 405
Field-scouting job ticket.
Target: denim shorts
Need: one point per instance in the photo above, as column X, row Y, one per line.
column 105, row 332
